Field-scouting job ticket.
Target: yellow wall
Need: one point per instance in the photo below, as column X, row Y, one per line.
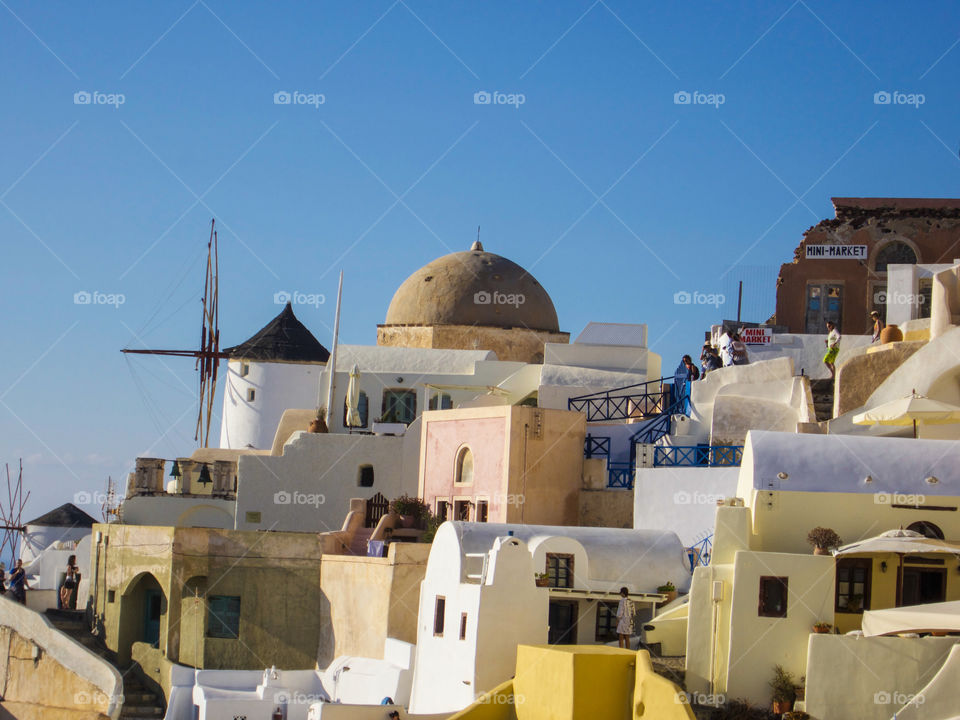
column 516, row 344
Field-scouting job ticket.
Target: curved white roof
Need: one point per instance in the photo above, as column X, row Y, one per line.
column 840, row 463
column 641, row 559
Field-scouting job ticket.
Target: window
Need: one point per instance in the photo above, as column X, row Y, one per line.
column 463, row 626
column 439, row 610
column 253, row 516
column 773, row 597
column 365, row 476
column 363, row 409
column 464, row 474
column 925, row 298
column 853, row 584
column 440, row 401
column 894, row 253
column 461, row 510
column 927, row 529
column 399, row 406
column 111, row 596
column 923, row 585
column 244, row 368
column 251, row 394
column 606, row 622
column 560, row 570
column 482, row 510
column 223, row 616
column 442, row 510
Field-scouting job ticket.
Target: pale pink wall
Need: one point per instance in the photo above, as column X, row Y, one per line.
column 486, row 438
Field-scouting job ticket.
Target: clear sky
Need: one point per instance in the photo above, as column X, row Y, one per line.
column 588, row 169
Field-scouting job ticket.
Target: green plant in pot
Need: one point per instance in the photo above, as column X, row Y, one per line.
column 413, row 511
column 784, row 689
column 823, row 540
column 668, row 589
column 542, row 579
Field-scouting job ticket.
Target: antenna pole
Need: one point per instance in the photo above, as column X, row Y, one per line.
column 332, row 362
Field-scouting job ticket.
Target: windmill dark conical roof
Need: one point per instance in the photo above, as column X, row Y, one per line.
column 67, row 515
column 283, row 339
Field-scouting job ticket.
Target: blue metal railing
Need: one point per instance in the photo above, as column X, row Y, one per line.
column 697, row 455
column 699, row 553
column 620, row 475
column 630, row 401
column 596, row 446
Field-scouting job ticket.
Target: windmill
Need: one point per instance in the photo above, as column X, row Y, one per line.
column 208, row 356
column 11, row 523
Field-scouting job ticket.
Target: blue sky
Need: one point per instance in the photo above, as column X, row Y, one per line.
column 615, row 196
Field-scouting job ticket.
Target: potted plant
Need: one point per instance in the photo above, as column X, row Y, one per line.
column 822, row 628
column 784, row 690
column 411, row 509
column 823, row 540
column 854, row 603
column 430, row 525
column 319, row 423
column 542, row 579
column 669, row 590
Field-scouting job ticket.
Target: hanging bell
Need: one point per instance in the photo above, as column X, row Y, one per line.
column 175, row 470
column 204, row 478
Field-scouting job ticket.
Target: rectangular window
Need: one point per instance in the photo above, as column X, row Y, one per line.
column 560, row 570
column 442, row 508
column 606, row 622
column 244, row 369
column 463, row 626
column 439, row 610
column 925, row 298
column 251, row 394
column 365, row 476
column 461, row 510
column 223, row 616
column 482, row 510
column 440, row 401
column 399, row 406
column 111, row 595
column 773, row 597
column 853, row 584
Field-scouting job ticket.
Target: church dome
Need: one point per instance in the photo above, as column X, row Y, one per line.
column 475, row 288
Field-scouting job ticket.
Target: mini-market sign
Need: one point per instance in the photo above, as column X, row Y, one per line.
column 836, row 252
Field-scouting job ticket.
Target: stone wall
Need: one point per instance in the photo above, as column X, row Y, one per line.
column 861, row 374
column 516, row 344
column 606, row 508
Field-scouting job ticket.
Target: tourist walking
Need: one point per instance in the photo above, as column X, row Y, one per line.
column 19, row 584
column 625, row 618
column 71, row 581
column 833, row 348
column 709, row 360
column 878, row 326
column 726, row 349
column 692, row 373
column 738, row 349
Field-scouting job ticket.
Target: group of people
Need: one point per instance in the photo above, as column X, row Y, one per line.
column 732, row 351
column 17, row 584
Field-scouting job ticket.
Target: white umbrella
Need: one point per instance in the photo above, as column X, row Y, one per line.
column 931, row 617
column 902, row 542
column 353, row 398
column 909, row 411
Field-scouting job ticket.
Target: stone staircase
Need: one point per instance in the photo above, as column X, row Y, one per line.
column 822, row 391
column 140, row 701
column 359, row 544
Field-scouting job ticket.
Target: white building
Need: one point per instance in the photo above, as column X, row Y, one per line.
column 46, row 544
column 479, row 600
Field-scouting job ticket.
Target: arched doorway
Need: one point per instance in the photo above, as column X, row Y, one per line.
column 143, row 606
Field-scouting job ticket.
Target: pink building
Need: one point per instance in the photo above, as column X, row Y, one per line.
column 503, row 464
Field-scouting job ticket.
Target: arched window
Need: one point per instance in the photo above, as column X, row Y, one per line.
column 894, row 253
column 927, row 529
column 464, row 466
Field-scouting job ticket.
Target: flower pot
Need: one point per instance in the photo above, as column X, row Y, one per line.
column 407, row 521
column 542, row 582
column 821, row 630
column 782, row 706
column 820, row 551
column 317, row 425
column 891, row 333
column 671, row 596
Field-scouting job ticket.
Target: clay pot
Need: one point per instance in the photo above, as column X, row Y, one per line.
column 891, row 333
column 671, row 596
column 820, row 551
column 782, row 706
column 820, row 630
column 542, row 582
column 318, row 425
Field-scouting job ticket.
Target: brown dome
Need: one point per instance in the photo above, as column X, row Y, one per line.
column 473, row 288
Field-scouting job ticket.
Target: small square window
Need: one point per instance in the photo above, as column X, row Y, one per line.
column 251, row 394
column 244, row 369
column 606, row 622
column 461, row 510
column 560, row 570
column 365, row 476
column 111, row 596
column 439, row 611
column 773, row 597
column 463, row 626
column 223, row 616
column 442, row 509
column 253, row 516
column 482, row 510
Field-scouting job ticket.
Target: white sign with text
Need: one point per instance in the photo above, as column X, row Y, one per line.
column 836, row 252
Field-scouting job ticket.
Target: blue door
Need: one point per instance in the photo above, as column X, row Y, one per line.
column 152, row 600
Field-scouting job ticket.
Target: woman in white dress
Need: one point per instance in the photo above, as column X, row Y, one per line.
column 625, row 618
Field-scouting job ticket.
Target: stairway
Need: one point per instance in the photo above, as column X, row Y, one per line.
column 140, row 701
column 359, row 544
column 822, row 391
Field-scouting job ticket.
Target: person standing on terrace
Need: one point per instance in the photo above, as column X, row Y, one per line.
column 833, row 348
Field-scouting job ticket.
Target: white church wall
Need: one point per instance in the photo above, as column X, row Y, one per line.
column 276, row 387
column 179, row 511
column 308, row 488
